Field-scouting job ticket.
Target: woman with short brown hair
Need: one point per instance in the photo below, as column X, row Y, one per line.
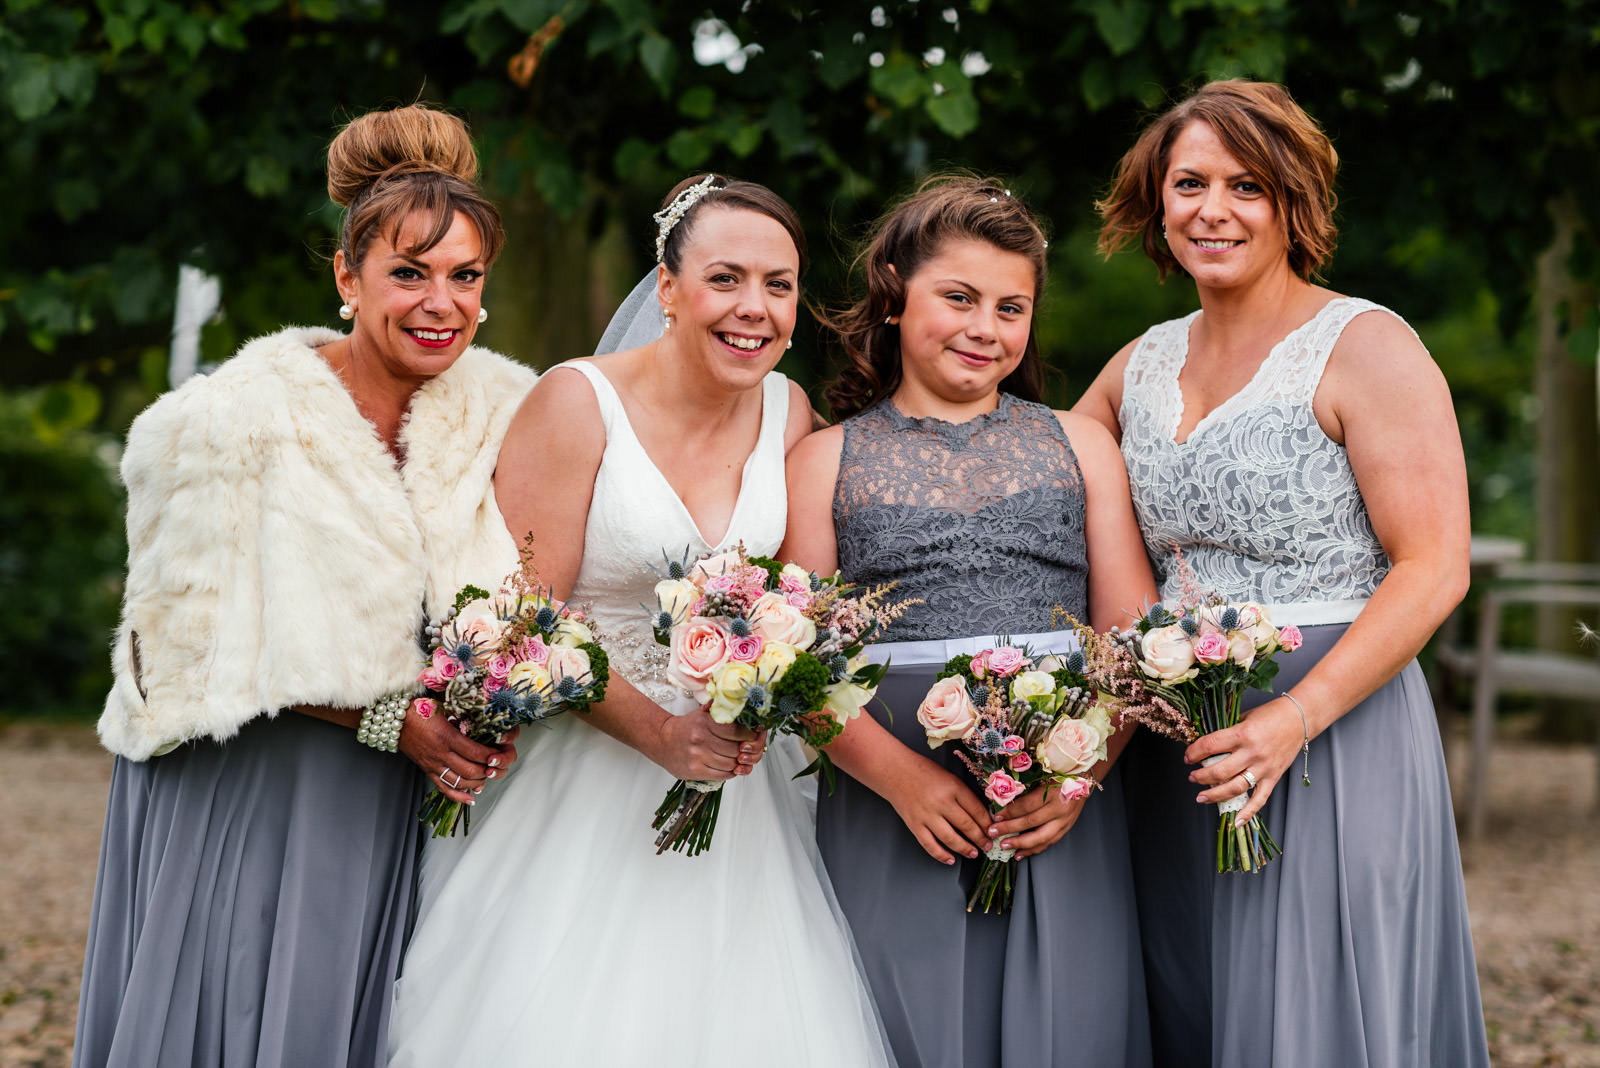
column 1299, row 449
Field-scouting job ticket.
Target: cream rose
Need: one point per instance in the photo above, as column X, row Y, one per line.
column 1071, row 748
column 571, row 633
column 1168, row 655
column 947, row 712
column 728, row 687
column 529, row 676
column 1254, row 621
column 695, row 649
column 1099, row 716
column 1241, row 648
column 776, row 620
column 845, row 700
column 677, row 597
column 711, row 566
column 775, row 659
column 1030, row 684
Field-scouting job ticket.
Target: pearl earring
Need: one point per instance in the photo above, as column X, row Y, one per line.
column 1163, row 231
column 346, row 312
column 483, row 314
column 789, row 344
column 667, row 326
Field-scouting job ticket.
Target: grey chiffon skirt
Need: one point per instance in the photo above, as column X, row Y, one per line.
column 1055, row 981
column 1352, row 950
column 252, row 902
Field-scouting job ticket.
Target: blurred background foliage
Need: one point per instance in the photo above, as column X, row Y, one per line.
column 139, row 135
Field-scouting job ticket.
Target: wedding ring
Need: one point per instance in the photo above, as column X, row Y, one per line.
column 1249, row 778
column 453, row 785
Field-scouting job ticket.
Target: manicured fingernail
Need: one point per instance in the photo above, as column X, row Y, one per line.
column 949, row 860
column 478, row 791
column 1192, row 778
column 494, row 762
column 492, row 774
column 471, row 801
column 994, row 832
column 1202, row 799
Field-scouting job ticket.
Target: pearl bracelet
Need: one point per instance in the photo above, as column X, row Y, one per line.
column 381, row 721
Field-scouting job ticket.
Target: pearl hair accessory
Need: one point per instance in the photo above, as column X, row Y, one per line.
column 668, row 216
column 346, row 312
column 483, row 314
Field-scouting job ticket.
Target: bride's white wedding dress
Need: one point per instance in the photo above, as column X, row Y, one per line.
column 554, row 934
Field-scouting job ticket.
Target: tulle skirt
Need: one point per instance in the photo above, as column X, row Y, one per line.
column 554, row 935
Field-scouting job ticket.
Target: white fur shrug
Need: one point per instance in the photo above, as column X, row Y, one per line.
column 276, row 554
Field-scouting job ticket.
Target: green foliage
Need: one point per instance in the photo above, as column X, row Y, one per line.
column 467, row 594
column 61, row 559
column 805, row 681
column 960, row 664
column 599, row 669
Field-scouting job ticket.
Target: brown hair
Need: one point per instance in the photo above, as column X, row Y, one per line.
column 1262, row 126
column 733, row 194
column 385, row 165
column 948, row 207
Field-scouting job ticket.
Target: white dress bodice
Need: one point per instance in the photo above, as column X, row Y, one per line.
column 1260, row 501
column 637, row 523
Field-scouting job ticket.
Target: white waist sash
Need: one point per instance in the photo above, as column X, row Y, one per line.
column 939, row 650
column 1315, row 613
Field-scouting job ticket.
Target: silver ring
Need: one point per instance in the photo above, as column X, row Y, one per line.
column 453, row 785
column 1249, row 778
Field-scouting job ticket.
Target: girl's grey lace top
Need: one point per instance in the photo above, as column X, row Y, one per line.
column 1261, row 502
column 982, row 520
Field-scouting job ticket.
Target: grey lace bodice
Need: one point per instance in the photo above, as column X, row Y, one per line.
column 1261, row 502
column 983, row 520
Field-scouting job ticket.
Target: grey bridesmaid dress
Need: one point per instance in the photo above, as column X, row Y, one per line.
column 252, row 902
column 984, row 522
column 1353, row 948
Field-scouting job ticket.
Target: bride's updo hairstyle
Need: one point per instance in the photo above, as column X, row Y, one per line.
column 949, row 207
column 1264, row 129
column 385, row 165
column 723, row 192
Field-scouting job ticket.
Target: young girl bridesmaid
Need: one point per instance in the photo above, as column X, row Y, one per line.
column 948, row 476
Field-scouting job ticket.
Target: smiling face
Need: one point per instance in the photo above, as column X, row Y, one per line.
column 968, row 313
column 416, row 312
column 1222, row 226
column 734, row 297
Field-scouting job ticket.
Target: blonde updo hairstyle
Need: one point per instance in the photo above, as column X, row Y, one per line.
column 386, row 165
column 1264, row 129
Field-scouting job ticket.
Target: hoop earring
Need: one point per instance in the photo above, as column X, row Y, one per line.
column 346, row 312
column 483, row 314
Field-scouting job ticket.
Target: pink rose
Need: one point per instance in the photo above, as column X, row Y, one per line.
column 778, row 621
column 533, row 650
column 1290, row 638
column 424, row 707
column 696, row 648
column 443, row 661
column 720, row 564
column 432, row 679
column 1006, row 661
column 746, row 649
column 1013, row 743
column 568, row 663
column 1076, row 789
column 800, row 599
column 492, row 685
column 1001, row 788
column 720, row 584
column 1021, row 763
column 500, row 666
column 947, row 712
column 792, row 583
column 1211, row 647
column 979, row 666
column 1071, row 748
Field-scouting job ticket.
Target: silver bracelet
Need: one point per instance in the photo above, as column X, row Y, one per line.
column 1305, row 748
column 381, row 721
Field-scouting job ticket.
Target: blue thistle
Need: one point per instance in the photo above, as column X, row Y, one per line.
column 1189, row 626
column 756, row 697
column 838, row 666
column 569, row 688
column 789, row 705
column 990, row 741
column 546, row 618
column 1230, row 618
column 1077, row 662
column 980, row 694
column 740, row 627
column 816, row 582
column 663, row 621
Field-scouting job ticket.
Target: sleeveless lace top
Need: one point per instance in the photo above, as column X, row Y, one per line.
column 982, row 520
column 1261, row 502
column 637, row 521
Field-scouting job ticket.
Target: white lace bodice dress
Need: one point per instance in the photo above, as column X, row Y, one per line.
column 554, row 935
column 1353, row 948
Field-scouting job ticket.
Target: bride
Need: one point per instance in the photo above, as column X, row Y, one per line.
column 554, row 934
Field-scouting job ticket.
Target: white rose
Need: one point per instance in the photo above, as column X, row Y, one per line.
column 774, row 659
column 798, row 573
column 1028, row 684
column 779, row 621
column 571, row 633
column 568, row 663
column 1168, row 654
column 1099, row 716
column 729, row 685
column 845, row 700
column 529, row 675
column 1254, row 621
column 677, row 597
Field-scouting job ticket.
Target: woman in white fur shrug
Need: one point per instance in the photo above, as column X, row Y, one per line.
column 290, row 518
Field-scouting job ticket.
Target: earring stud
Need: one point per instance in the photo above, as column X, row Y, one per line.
column 483, row 314
column 346, row 312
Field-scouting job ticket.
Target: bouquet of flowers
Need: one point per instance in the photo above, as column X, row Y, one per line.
column 498, row 662
column 773, row 647
column 1198, row 660
column 1021, row 721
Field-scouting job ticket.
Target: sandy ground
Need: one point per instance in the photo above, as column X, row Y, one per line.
column 1534, row 892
